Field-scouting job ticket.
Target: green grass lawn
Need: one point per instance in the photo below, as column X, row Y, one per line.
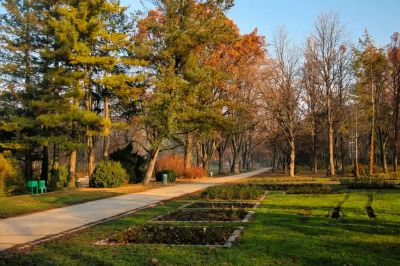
column 18, row 205
column 286, row 230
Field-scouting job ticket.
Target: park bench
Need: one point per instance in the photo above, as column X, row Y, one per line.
column 42, row 186
column 33, row 184
column 37, row 186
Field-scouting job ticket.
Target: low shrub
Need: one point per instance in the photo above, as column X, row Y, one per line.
column 193, row 173
column 11, row 180
column 233, row 192
column 172, row 162
column 307, row 189
column 175, row 163
column 171, row 175
column 108, row 174
column 290, row 186
column 133, row 163
column 367, row 182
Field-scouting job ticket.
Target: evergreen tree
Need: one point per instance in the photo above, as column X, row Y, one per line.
column 20, row 79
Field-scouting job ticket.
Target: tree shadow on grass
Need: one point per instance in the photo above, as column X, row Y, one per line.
column 323, row 225
column 323, row 241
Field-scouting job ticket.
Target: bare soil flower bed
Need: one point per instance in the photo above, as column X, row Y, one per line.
column 222, row 205
column 175, row 235
column 218, row 215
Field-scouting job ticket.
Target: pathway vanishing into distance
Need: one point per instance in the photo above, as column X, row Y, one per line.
column 28, row 228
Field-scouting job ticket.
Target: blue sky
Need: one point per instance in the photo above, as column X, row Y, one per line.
column 380, row 17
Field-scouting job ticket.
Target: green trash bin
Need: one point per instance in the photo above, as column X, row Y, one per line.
column 165, row 179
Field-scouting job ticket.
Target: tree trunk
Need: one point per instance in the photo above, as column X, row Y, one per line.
column 106, row 140
column 292, row 157
column 357, row 169
column 331, row 138
column 275, row 163
column 56, row 158
column 45, row 164
column 314, row 160
column 151, row 165
column 382, row 144
column 28, row 164
column 221, row 152
column 90, row 155
column 342, row 155
column 235, row 163
column 372, row 136
column 188, row 151
column 236, row 155
column 72, row 170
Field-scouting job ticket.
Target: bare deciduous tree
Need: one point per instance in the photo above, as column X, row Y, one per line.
column 328, row 37
column 282, row 91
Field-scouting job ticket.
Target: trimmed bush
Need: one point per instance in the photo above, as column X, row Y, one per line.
column 367, row 182
column 172, row 162
column 307, row 189
column 193, row 173
column 133, row 163
column 108, row 174
column 235, row 192
column 175, row 163
column 171, row 175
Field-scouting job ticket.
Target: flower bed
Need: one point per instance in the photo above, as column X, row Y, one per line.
column 204, row 215
column 175, row 235
column 221, row 205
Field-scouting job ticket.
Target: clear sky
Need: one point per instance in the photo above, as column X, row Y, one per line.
column 380, row 17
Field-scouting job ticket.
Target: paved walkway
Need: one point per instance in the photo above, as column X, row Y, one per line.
column 31, row 227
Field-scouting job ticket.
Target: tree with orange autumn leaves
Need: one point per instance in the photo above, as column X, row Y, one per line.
column 241, row 61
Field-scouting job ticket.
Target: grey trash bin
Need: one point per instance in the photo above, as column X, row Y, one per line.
column 165, row 179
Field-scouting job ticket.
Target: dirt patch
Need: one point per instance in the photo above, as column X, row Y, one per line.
column 222, row 205
column 175, row 235
column 209, row 215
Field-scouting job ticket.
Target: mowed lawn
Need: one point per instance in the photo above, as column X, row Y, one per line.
column 19, row 205
column 286, row 230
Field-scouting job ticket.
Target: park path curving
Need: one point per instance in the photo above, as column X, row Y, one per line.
column 20, row 230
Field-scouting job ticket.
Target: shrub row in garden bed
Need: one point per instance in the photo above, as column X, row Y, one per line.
column 299, row 188
column 222, row 205
column 366, row 182
column 233, row 192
